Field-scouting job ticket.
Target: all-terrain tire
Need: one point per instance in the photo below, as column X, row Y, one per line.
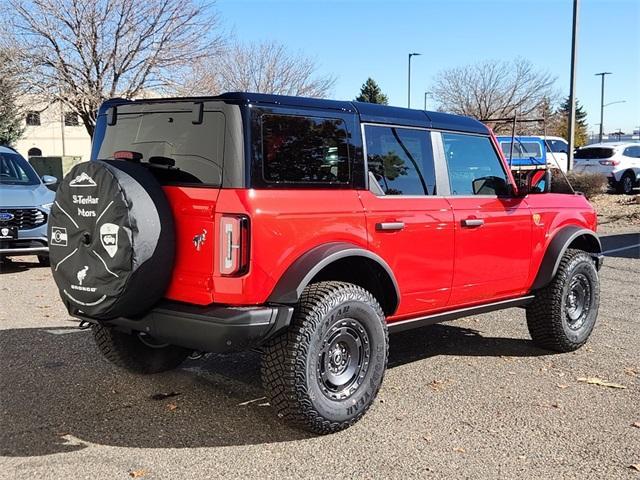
column 129, row 352
column 626, row 184
column 563, row 313
column 300, row 364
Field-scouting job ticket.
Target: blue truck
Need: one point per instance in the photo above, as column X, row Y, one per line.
column 534, row 152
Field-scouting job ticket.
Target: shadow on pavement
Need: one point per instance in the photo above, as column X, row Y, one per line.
column 446, row 339
column 9, row 266
column 620, row 241
column 56, row 389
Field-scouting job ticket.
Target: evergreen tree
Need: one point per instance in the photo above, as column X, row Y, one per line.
column 370, row 92
column 11, row 127
column 562, row 127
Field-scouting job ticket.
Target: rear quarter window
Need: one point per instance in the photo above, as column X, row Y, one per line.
column 595, row 152
column 304, row 150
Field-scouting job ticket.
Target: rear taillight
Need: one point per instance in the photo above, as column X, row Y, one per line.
column 234, row 244
column 609, row 163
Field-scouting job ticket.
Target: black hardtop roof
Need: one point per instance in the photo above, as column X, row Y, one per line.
column 369, row 112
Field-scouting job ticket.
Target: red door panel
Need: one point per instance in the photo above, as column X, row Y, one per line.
column 418, row 246
column 493, row 248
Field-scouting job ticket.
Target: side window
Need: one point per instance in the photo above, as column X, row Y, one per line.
column 401, row 159
column 474, row 166
column 304, row 150
column 633, row 152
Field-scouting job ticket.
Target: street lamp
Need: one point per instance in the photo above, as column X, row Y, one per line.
column 426, row 94
column 613, row 103
column 602, row 74
column 409, row 79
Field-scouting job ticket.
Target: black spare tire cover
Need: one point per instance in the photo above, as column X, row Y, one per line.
column 111, row 239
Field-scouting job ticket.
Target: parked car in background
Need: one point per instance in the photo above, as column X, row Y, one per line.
column 532, row 152
column 557, row 148
column 620, row 162
column 25, row 202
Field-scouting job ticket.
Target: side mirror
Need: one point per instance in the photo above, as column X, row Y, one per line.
column 49, row 180
column 490, row 186
column 535, row 181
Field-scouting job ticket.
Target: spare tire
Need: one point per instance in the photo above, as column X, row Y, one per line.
column 111, row 240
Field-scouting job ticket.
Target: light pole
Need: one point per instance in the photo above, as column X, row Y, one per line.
column 572, row 84
column 602, row 74
column 409, row 79
column 425, row 99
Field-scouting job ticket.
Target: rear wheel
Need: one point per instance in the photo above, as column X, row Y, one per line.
column 563, row 314
column 324, row 372
column 137, row 352
column 627, row 183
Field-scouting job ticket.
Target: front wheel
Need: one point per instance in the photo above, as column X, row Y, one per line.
column 324, row 372
column 137, row 352
column 563, row 314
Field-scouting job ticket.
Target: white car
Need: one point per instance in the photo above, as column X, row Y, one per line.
column 620, row 162
column 557, row 148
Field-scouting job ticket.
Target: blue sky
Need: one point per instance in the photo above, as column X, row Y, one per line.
column 355, row 39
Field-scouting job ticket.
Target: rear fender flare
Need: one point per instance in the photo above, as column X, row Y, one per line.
column 300, row 273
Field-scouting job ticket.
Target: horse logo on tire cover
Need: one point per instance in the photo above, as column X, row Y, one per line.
column 109, row 238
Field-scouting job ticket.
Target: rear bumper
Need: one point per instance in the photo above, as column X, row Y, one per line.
column 216, row 329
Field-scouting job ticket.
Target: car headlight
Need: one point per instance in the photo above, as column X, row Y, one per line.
column 47, row 206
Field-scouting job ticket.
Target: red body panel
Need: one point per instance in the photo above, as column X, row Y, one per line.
column 421, row 254
column 437, row 262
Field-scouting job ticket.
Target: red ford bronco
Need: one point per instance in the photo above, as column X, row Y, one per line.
column 309, row 229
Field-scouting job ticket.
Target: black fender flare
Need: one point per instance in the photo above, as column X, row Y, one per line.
column 294, row 280
column 558, row 246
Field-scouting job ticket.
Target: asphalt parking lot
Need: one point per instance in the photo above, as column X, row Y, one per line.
column 466, row 399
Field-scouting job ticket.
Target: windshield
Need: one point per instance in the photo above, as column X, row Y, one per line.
column 591, row 153
column 522, row 149
column 15, row 170
column 165, row 137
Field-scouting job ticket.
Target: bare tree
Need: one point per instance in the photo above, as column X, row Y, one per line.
column 493, row 89
column 81, row 52
column 258, row 67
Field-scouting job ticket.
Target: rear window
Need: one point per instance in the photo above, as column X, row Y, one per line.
column 522, row 149
column 304, row 150
column 15, row 170
column 595, row 152
column 166, row 138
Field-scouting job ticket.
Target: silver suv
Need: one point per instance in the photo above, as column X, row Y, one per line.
column 620, row 162
column 25, row 202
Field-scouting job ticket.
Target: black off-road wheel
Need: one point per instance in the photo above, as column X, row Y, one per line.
column 136, row 352
column 563, row 314
column 626, row 183
column 324, row 372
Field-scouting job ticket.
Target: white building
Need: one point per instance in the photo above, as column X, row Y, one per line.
column 51, row 131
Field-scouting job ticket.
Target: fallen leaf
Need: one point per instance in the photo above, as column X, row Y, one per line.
column 137, row 473
column 599, row 381
column 631, row 371
column 459, row 450
column 635, row 466
column 562, row 386
column 427, row 438
column 636, row 424
column 172, row 406
column 436, row 385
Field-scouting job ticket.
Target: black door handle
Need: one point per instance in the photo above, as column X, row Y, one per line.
column 472, row 222
column 389, row 226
